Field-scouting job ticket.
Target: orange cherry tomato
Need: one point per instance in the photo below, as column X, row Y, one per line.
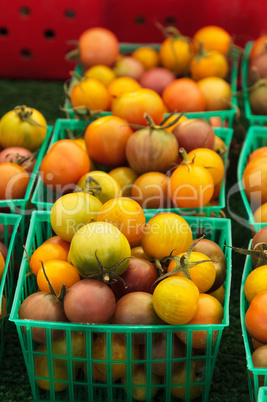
column 259, row 152
column 148, row 56
column 150, row 190
column 256, row 317
column 165, row 232
column 101, row 73
column 211, row 161
column 98, row 45
column 47, row 252
column 191, row 186
column 122, row 85
column 91, row 94
column 59, row 273
column 208, row 64
column 255, row 181
column 127, row 215
column 209, row 311
column 106, row 140
column 184, row 95
column 14, row 181
column 203, row 275
column 258, row 47
column 213, row 38
column 64, row 164
column 134, row 105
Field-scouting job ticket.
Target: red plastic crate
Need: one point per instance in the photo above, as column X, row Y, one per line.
column 34, row 34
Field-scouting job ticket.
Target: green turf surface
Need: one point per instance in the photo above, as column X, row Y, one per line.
column 230, row 376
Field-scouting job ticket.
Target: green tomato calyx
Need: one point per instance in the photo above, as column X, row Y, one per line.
column 108, row 275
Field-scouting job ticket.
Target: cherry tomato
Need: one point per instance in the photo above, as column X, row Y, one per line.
column 58, row 272
column 127, row 215
column 106, row 140
column 132, row 107
column 44, row 253
column 165, row 232
column 23, row 127
column 209, row 311
column 14, row 181
column 64, row 164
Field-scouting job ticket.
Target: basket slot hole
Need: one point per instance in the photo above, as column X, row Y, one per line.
column 26, row 53
column 140, row 20
column 25, row 11
column 4, row 31
column 49, row 34
column 70, row 13
column 170, row 20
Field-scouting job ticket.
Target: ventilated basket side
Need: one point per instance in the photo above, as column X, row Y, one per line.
column 10, row 228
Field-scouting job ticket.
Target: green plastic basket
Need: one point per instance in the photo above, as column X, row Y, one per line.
column 253, row 382
column 256, row 137
column 43, row 197
column 9, row 236
column 23, row 206
column 257, row 120
column 227, row 116
column 85, row 388
column 262, row 397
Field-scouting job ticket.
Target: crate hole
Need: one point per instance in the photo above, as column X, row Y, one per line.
column 26, row 53
column 170, row 20
column 25, row 11
column 70, row 13
column 140, row 20
column 3, row 31
column 49, row 34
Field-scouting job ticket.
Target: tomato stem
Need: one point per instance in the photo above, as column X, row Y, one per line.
column 108, row 274
column 175, row 121
column 184, row 155
column 24, row 113
column 261, row 253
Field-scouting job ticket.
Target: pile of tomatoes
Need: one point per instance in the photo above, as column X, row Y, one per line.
column 180, row 74
column 178, row 164
column 122, row 269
